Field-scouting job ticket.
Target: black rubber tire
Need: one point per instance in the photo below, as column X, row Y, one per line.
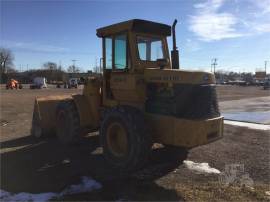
column 36, row 129
column 67, row 122
column 138, row 139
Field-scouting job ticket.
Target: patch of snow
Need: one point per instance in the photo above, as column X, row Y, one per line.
column 87, row 185
column 6, row 196
column 201, row 167
column 254, row 117
column 248, row 125
column 267, row 193
column 65, row 161
column 250, row 188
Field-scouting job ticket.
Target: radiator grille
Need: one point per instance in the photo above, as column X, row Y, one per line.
column 183, row 101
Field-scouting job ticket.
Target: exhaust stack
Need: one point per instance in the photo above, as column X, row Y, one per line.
column 174, row 52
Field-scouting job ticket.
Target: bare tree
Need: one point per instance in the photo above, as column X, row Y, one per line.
column 50, row 65
column 73, row 69
column 52, row 71
column 6, row 60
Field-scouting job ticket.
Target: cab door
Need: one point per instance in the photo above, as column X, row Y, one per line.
column 116, row 63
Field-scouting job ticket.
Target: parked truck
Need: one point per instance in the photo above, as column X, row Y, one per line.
column 38, row 83
column 72, row 83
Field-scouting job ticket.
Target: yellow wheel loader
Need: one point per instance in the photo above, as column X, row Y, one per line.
column 140, row 98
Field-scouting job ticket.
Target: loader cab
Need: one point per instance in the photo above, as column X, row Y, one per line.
column 129, row 48
column 134, row 45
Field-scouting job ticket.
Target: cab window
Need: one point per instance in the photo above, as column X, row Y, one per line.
column 120, row 52
column 116, row 52
column 108, row 53
column 150, row 48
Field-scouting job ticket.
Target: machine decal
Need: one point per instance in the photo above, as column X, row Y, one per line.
column 120, row 79
column 165, row 78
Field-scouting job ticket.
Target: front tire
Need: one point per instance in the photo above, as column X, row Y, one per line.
column 67, row 122
column 124, row 138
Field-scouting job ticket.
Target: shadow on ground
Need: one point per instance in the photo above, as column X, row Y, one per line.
column 45, row 165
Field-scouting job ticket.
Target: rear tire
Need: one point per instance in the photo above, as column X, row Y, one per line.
column 124, row 138
column 67, row 122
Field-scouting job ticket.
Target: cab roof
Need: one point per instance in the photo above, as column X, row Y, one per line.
column 135, row 25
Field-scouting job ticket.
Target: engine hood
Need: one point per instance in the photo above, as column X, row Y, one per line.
column 153, row 75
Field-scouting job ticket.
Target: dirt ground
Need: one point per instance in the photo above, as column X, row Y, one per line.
column 35, row 166
column 228, row 92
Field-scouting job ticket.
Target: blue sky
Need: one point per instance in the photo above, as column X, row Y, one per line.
column 236, row 32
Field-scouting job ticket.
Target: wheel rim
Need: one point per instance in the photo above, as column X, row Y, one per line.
column 117, row 139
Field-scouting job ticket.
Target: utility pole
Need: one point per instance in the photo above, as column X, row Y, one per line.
column 100, row 65
column 73, row 69
column 74, row 61
column 96, row 67
column 214, row 64
column 265, row 65
column 60, row 65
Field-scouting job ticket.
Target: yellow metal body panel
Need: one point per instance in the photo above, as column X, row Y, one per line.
column 131, row 87
column 129, row 26
column 128, row 87
column 88, row 104
column 115, row 28
column 84, row 110
column 182, row 132
column 178, row 76
column 46, row 108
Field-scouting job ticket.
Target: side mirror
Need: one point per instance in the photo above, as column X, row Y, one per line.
column 162, row 62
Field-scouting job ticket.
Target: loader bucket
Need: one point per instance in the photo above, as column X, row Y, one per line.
column 45, row 109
